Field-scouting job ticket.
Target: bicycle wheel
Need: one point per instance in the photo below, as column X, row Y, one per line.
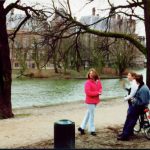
column 137, row 127
column 146, row 124
column 147, row 132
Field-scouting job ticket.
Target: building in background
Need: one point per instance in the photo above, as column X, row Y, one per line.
column 116, row 23
column 26, row 51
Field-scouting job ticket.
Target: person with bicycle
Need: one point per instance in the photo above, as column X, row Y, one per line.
column 139, row 102
column 131, row 93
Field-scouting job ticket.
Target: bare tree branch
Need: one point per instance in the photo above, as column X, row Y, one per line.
column 27, row 11
column 136, row 4
column 11, row 6
column 20, row 25
column 106, row 34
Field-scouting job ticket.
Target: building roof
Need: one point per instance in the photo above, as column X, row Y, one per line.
column 115, row 23
column 89, row 20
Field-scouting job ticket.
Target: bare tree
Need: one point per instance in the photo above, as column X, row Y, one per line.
column 123, row 55
column 21, row 56
column 66, row 15
column 147, row 31
column 5, row 64
column 130, row 10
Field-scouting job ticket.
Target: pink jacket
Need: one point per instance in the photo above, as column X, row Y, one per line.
column 92, row 90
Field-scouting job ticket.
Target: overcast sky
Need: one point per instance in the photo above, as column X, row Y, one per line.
column 79, row 9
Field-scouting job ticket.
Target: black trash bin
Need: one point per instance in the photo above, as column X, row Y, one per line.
column 64, row 134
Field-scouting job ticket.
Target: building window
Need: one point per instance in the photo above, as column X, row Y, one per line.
column 33, row 65
column 16, row 65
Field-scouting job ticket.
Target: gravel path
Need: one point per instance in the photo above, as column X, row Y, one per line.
column 32, row 125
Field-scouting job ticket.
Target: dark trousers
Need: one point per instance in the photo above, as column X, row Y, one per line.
column 131, row 119
column 129, row 112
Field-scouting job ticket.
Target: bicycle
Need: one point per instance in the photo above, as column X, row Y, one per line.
column 143, row 123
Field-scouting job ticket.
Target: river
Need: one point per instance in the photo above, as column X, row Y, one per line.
column 40, row 92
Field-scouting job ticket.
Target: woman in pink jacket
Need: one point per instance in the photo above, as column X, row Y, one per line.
column 93, row 88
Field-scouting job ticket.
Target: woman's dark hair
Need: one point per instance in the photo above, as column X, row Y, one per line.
column 133, row 74
column 95, row 74
column 139, row 79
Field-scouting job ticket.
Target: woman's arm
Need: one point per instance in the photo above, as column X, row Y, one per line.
column 88, row 90
column 99, row 86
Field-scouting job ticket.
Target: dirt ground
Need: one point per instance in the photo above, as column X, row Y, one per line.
column 105, row 139
column 34, row 127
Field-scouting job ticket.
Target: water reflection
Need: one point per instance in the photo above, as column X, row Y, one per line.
column 35, row 92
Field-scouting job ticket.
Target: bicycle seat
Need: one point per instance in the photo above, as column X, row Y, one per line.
column 146, row 110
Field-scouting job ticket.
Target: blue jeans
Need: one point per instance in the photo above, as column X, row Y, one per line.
column 89, row 118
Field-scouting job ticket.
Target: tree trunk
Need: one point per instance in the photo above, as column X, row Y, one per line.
column 55, row 63
column 5, row 68
column 147, row 31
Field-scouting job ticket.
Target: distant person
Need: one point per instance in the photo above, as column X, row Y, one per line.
column 139, row 102
column 92, row 88
column 133, row 88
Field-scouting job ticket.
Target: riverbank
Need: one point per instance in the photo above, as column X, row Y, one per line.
column 107, row 73
column 34, row 127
